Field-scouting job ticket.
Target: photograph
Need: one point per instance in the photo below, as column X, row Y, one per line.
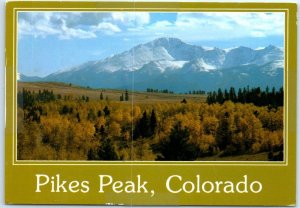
column 151, row 86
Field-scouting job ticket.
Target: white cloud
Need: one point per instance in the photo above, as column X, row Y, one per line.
column 77, row 19
column 132, row 19
column 195, row 26
column 161, row 25
column 107, row 28
column 42, row 24
column 67, row 25
column 68, row 33
column 238, row 24
column 25, row 28
column 37, row 24
column 258, row 34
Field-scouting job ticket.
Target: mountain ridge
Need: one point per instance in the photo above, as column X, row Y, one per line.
column 166, row 61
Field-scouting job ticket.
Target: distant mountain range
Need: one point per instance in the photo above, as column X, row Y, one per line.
column 169, row 63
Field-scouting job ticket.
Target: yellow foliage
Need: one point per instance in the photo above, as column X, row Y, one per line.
column 210, row 125
column 65, row 136
column 117, row 116
column 115, row 129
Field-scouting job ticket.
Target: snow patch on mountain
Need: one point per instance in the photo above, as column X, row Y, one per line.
column 278, row 64
column 199, row 65
column 164, row 65
column 207, row 48
column 229, row 49
column 273, row 68
column 259, row 48
column 205, row 66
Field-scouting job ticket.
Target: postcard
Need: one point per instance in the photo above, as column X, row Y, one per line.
column 150, row 103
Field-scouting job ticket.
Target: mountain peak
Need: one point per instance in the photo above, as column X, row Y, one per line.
column 242, row 48
column 167, row 41
column 271, row 47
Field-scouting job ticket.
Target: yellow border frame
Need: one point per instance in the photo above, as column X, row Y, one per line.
column 289, row 78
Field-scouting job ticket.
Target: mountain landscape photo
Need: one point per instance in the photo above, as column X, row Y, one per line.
column 151, row 86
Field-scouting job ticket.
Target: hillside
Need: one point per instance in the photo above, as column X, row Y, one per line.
column 153, row 127
column 113, row 95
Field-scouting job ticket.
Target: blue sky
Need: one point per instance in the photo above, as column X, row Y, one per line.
column 52, row 41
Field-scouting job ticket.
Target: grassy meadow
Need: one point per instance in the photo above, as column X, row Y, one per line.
column 112, row 94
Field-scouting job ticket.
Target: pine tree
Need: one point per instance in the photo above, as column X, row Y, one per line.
column 153, row 122
column 176, row 147
column 226, row 95
column 78, row 117
column 91, row 115
column 126, row 95
column 106, row 111
column 105, row 151
column 224, row 132
column 64, row 110
column 143, row 127
column 240, row 97
column 102, row 131
column 220, row 97
column 232, row 95
column 209, row 98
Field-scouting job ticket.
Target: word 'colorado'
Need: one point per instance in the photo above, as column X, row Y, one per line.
column 174, row 184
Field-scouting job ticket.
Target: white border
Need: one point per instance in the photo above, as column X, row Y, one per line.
column 148, row 163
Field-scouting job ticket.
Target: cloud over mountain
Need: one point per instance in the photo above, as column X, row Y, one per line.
column 195, row 25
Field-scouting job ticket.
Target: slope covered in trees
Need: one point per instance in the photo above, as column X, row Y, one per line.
column 72, row 128
column 256, row 96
